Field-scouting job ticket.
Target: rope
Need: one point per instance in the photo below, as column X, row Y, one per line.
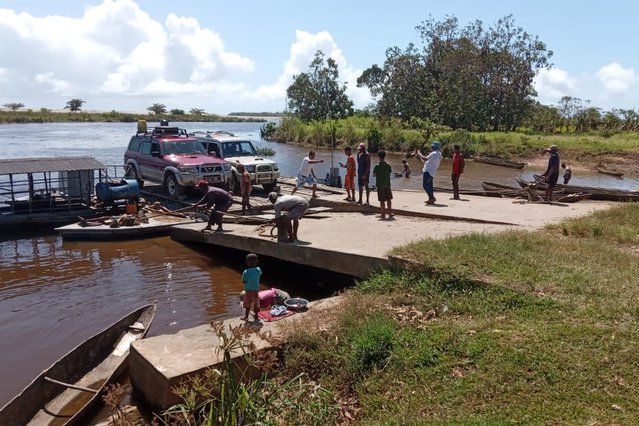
column 263, row 231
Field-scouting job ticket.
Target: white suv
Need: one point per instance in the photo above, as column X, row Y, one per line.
column 234, row 149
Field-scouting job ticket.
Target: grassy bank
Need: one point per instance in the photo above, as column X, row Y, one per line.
column 393, row 135
column 511, row 328
column 515, row 328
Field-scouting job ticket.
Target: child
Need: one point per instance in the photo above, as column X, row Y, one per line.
column 458, row 169
column 382, row 173
column 349, row 180
column 567, row 173
column 407, row 171
column 251, row 279
column 245, row 188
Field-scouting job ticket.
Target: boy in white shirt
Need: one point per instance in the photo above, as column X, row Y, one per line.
column 306, row 175
column 431, row 164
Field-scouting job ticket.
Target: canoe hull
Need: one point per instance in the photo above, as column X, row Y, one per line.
column 500, row 162
column 92, row 359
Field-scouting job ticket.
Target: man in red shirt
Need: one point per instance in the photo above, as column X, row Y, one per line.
column 458, row 169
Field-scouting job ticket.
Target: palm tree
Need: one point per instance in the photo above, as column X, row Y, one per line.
column 74, row 105
column 197, row 111
column 157, row 109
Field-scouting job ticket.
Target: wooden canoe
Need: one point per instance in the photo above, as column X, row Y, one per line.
column 596, row 193
column 73, row 386
column 500, row 162
column 609, row 172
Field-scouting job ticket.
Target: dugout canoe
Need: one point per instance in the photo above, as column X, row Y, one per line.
column 609, row 172
column 73, row 386
column 596, row 193
column 500, row 162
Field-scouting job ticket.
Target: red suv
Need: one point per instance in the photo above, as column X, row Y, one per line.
column 166, row 154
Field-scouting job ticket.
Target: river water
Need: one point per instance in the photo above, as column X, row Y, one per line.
column 55, row 293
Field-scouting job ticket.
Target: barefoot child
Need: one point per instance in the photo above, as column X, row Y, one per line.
column 245, row 188
column 382, row 173
column 251, row 279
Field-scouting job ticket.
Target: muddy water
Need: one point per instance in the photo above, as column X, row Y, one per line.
column 54, row 293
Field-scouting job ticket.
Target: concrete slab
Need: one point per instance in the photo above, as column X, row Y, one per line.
column 160, row 363
column 353, row 240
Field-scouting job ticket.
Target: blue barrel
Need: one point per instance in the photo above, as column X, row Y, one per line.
column 129, row 189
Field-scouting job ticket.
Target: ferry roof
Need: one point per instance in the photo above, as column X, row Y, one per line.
column 48, row 164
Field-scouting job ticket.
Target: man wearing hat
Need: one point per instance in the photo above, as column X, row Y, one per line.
column 363, row 171
column 217, row 198
column 551, row 175
column 431, row 164
column 287, row 224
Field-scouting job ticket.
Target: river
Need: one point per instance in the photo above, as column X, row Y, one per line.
column 55, row 293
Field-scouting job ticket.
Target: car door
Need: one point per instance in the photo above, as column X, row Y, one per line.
column 156, row 162
column 144, row 159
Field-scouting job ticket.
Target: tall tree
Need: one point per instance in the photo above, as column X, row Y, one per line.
column 317, row 95
column 75, row 105
column 470, row 77
column 157, row 109
column 197, row 111
column 13, row 106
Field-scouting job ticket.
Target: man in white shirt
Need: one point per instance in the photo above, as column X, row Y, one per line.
column 431, row 164
column 295, row 207
column 306, row 175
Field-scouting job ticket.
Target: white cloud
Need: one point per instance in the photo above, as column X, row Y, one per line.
column 302, row 53
column 552, row 84
column 615, row 78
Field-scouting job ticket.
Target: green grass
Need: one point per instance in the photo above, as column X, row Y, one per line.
column 514, row 328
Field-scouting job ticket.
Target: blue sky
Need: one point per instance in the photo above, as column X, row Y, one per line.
column 225, row 56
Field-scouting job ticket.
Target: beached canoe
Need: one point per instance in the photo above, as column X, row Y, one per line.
column 500, row 162
column 73, row 386
column 609, row 172
column 596, row 193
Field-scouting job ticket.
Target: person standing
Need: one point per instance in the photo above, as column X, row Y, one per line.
column 349, row 180
column 567, row 173
column 217, row 198
column 406, row 169
column 306, row 174
column 458, row 169
column 382, row 173
column 363, row 172
column 431, row 164
column 551, row 175
column 251, row 279
column 245, row 188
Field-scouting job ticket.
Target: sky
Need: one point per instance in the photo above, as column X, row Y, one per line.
column 240, row 56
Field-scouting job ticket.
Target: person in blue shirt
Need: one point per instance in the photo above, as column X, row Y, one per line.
column 551, row 175
column 251, row 279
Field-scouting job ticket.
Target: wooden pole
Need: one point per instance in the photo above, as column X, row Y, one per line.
column 71, row 386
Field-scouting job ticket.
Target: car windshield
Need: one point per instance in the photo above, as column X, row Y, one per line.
column 183, row 147
column 238, row 149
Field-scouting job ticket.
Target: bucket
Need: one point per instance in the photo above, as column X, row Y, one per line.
column 131, row 208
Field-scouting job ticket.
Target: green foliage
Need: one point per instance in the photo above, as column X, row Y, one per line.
column 371, row 343
column 265, row 151
column 176, row 112
column 316, row 95
column 13, row 106
column 157, row 109
column 74, row 105
column 267, row 131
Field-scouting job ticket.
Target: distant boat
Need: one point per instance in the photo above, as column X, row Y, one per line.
column 609, row 172
column 66, row 392
column 500, row 162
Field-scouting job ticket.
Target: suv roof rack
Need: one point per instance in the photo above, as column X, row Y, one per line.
column 160, row 131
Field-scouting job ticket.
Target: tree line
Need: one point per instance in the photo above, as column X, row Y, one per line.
column 471, row 77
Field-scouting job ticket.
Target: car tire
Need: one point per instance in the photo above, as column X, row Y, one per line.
column 268, row 187
column 133, row 174
column 172, row 187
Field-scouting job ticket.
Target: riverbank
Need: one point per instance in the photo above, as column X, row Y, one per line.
column 520, row 326
column 511, row 328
